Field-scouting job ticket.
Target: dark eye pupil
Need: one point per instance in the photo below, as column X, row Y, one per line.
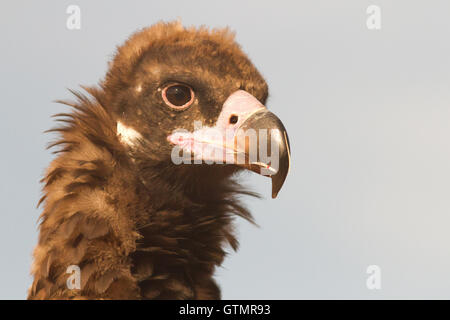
column 178, row 95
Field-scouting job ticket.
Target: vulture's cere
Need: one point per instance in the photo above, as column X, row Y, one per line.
column 141, row 196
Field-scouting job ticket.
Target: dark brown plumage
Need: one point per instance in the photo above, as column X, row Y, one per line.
column 137, row 225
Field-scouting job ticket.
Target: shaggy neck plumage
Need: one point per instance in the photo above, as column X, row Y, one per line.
column 156, row 229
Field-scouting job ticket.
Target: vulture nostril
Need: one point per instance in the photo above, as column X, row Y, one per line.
column 234, row 119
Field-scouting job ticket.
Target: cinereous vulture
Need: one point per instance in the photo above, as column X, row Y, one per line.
column 142, row 194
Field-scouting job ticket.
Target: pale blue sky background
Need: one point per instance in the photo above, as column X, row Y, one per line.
column 367, row 113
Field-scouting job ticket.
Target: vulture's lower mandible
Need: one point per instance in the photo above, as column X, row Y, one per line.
column 140, row 200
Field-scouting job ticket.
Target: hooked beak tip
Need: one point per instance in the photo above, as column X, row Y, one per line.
column 275, row 141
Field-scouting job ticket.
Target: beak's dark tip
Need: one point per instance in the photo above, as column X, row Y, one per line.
column 266, row 120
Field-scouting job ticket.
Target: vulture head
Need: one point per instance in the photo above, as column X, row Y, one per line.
column 142, row 194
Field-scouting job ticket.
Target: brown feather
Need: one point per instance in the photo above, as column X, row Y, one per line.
column 139, row 227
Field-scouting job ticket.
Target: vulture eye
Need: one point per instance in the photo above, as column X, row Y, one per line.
column 178, row 96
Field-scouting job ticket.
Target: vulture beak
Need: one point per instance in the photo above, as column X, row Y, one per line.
column 246, row 134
